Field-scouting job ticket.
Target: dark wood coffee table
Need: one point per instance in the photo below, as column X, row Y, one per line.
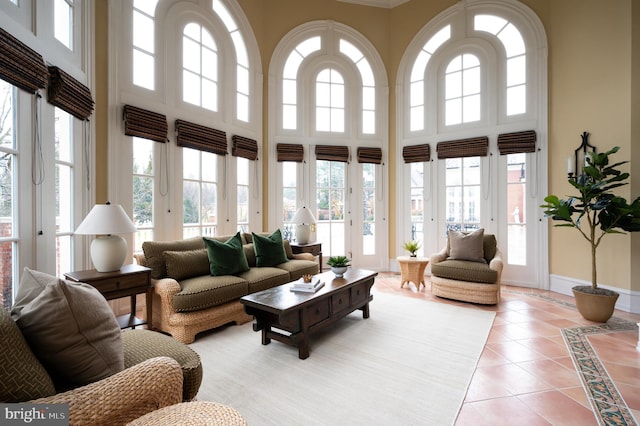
column 300, row 314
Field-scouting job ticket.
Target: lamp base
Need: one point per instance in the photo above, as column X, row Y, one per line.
column 302, row 234
column 108, row 253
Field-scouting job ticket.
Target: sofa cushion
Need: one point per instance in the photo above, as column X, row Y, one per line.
column 226, row 258
column 466, row 246
column 287, row 249
column 22, row 376
column 463, row 270
column 206, row 291
column 262, row 278
column 250, row 254
column 153, row 253
column 186, row 264
column 299, row 267
column 70, row 327
column 269, row 249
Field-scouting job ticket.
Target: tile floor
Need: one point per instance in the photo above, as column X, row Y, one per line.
column 526, row 374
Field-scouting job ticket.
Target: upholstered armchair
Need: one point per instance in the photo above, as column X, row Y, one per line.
column 468, row 268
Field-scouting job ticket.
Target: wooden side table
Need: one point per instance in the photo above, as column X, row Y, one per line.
column 412, row 269
column 313, row 248
column 130, row 280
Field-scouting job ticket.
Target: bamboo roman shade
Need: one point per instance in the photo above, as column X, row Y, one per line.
column 290, row 152
column 145, row 124
column 20, row 65
column 191, row 135
column 416, row 153
column 369, row 155
column 332, row 153
column 244, row 147
column 69, row 94
column 471, row 147
column 517, row 142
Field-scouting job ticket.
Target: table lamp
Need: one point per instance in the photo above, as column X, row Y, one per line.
column 303, row 219
column 108, row 251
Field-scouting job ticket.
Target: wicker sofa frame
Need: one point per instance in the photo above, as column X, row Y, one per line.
column 185, row 325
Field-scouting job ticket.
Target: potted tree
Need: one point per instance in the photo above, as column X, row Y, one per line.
column 595, row 212
column 412, row 247
column 338, row 265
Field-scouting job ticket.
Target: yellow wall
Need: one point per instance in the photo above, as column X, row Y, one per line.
column 590, row 90
column 594, row 86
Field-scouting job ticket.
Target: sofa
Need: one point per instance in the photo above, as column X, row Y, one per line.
column 468, row 268
column 198, row 281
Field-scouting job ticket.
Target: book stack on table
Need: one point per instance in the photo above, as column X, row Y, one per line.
column 311, row 287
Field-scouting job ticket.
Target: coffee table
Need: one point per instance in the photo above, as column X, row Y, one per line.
column 301, row 314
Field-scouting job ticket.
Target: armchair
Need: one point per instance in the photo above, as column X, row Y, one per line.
column 117, row 399
column 459, row 278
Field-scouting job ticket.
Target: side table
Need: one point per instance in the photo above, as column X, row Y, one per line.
column 412, row 269
column 130, row 280
column 313, row 248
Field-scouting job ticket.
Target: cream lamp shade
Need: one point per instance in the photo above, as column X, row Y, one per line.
column 303, row 219
column 108, row 250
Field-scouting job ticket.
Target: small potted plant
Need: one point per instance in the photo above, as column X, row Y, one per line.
column 412, row 247
column 595, row 212
column 338, row 265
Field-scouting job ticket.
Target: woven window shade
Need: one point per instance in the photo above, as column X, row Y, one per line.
column 20, row 65
column 145, row 124
column 202, row 138
column 69, row 94
column 517, row 142
column 416, row 153
column 472, row 147
column 290, row 152
column 332, row 153
column 369, row 155
column 244, row 147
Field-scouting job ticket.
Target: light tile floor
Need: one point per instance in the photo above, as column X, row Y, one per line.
column 526, row 374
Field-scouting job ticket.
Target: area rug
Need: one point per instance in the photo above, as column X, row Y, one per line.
column 411, row 362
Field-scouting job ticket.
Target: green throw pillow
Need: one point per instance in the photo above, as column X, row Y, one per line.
column 269, row 249
column 226, row 258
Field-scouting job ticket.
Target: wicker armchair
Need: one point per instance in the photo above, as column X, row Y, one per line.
column 468, row 281
column 125, row 396
column 117, row 399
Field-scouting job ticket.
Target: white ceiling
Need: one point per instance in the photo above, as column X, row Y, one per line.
column 389, row 4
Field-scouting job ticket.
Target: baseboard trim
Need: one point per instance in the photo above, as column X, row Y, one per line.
column 629, row 301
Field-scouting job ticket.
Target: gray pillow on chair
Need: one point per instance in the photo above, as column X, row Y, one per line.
column 467, row 246
column 70, row 327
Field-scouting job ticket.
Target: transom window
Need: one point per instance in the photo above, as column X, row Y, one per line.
column 462, row 88
column 144, row 43
column 329, row 101
column 199, row 67
column 63, row 22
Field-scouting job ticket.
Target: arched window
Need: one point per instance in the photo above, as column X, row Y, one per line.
column 198, row 63
column 331, row 87
column 473, row 74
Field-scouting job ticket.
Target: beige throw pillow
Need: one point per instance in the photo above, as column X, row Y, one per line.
column 467, row 246
column 70, row 327
column 186, row 264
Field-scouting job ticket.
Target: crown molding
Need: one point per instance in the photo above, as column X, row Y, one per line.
column 388, row 4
